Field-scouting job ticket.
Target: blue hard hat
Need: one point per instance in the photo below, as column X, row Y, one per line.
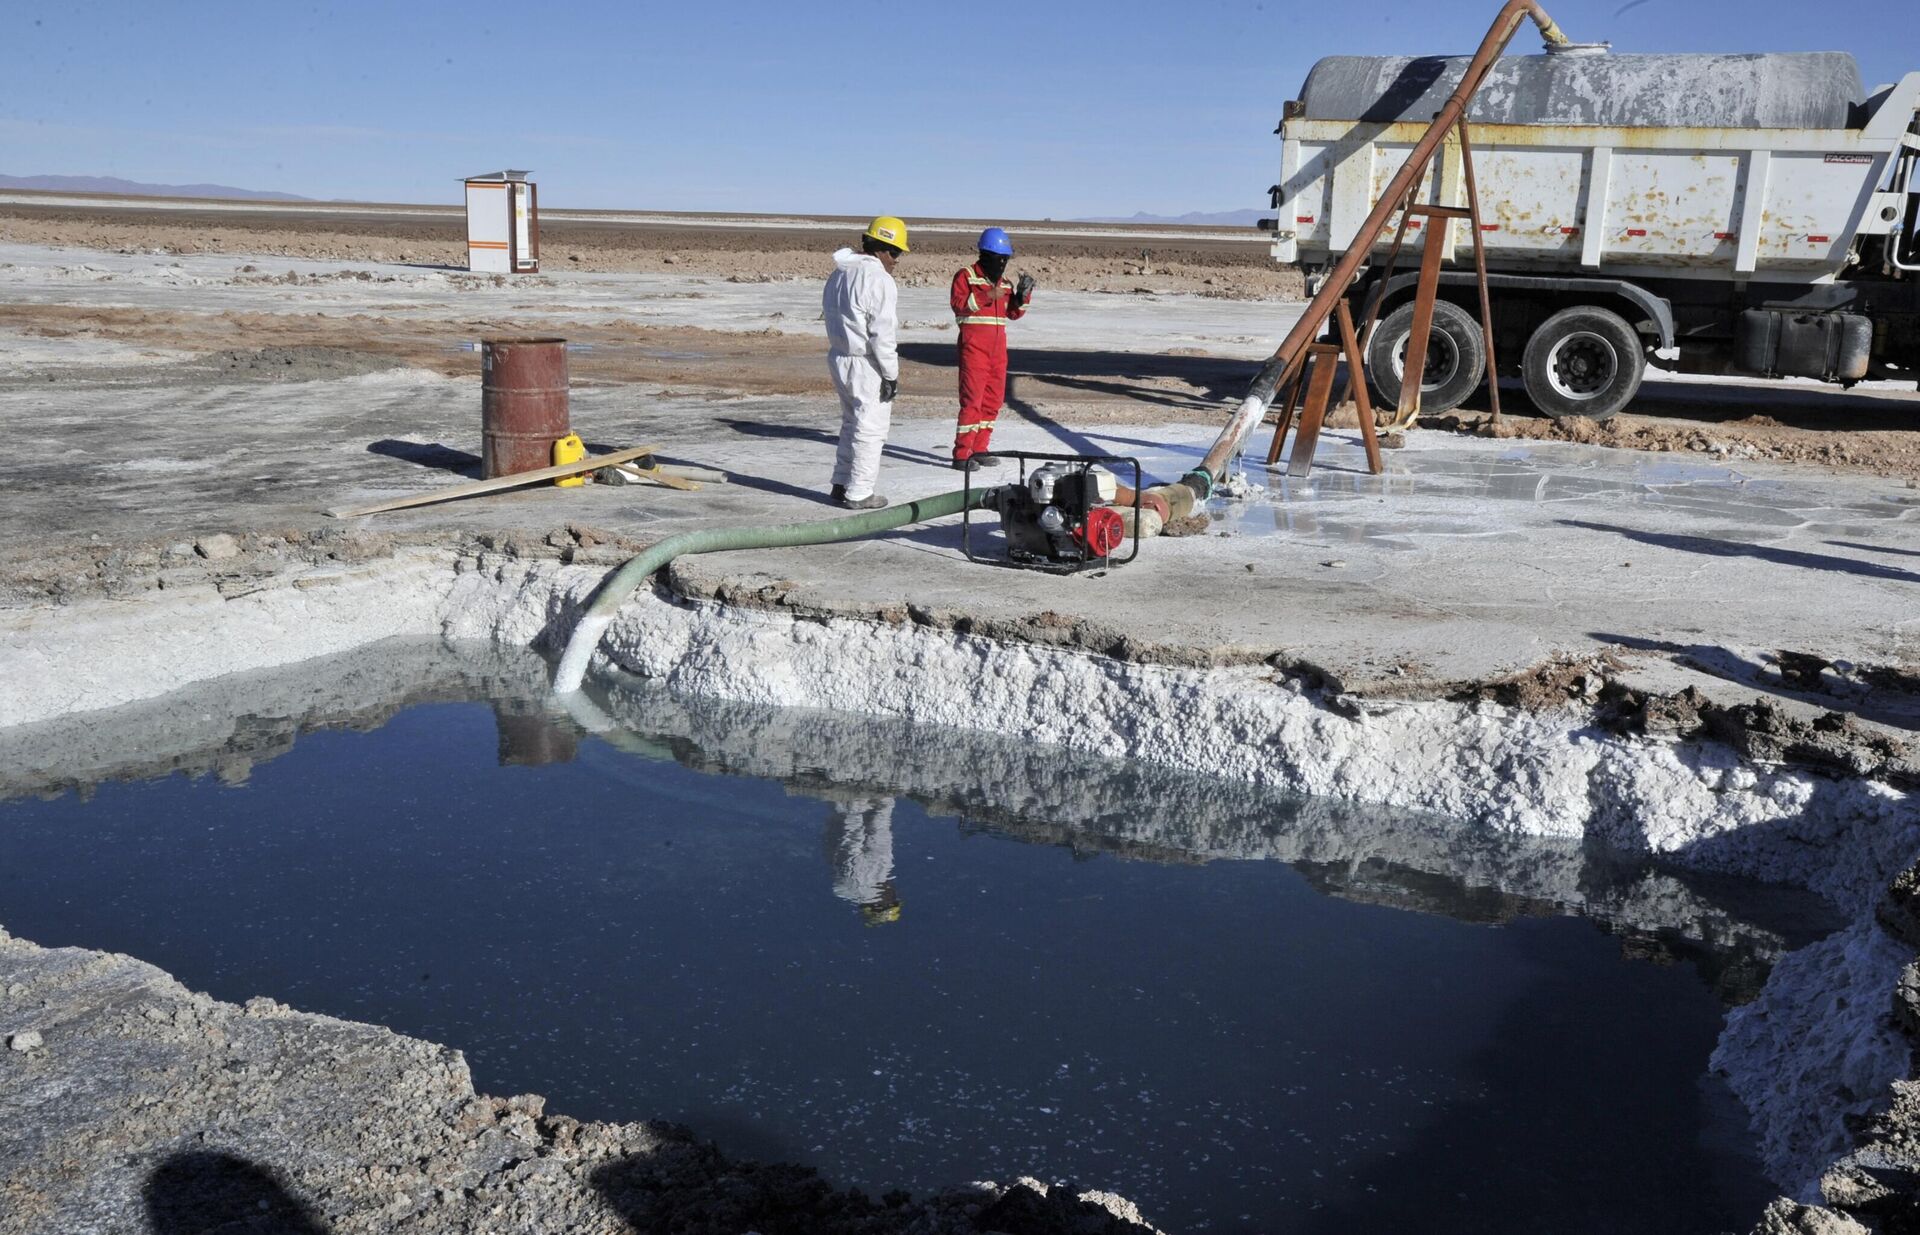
column 993, row 240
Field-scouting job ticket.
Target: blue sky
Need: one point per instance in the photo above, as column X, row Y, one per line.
column 1043, row 110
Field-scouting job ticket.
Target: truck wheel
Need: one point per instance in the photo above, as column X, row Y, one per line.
column 1456, row 357
column 1583, row 361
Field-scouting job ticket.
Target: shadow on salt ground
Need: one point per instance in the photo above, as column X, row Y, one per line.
column 1711, row 547
column 428, row 454
column 195, row 1193
column 827, row 437
column 1076, row 443
column 1116, row 375
column 1821, row 409
column 1848, row 544
column 762, row 484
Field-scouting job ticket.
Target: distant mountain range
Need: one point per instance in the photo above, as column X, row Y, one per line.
column 109, row 184
column 1194, row 218
column 112, row 184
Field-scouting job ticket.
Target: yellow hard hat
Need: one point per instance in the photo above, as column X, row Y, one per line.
column 880, row 915
column 888, row 230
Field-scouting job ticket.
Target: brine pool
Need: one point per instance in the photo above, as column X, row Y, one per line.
column 913, row 958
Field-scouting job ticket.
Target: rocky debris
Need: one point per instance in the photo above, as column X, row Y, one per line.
column 1906, row 1002
column 1899, row 909
column 1876, row 1183
column 1878, row 446
column 1762, row 732
column 1189, row 525
column 1030, row 1207
column 234, row 562
column 22, row 1043
column 1833, row 742
column 1785, row 1217
column 1879, row 1182
column 1553, row 683
column 219, row 547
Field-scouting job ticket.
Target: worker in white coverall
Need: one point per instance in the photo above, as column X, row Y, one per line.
column 863, row 354
column 860, row 850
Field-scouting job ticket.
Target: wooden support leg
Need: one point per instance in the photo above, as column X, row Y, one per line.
column 1357, row 382
column 1425, row 292
column 1288, row 401
column 1313, row 411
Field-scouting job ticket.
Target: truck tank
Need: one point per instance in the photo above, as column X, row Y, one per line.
column 1703, row 167
column 1813, row 90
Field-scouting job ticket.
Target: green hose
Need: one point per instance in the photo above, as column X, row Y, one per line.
column 614, row 590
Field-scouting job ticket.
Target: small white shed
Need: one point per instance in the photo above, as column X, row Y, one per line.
column 503, row 223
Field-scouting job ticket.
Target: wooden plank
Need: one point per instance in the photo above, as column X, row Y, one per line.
column 475, row 488
column 1357, row 382
column 1413, row 371
column 1313, row 409
column 1292, row 385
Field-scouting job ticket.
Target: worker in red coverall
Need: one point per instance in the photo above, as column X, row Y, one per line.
column 983, row 303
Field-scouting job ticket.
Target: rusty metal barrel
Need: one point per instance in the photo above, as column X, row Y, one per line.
column 523, row 404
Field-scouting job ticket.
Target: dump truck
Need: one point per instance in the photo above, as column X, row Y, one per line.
column 1718, row 214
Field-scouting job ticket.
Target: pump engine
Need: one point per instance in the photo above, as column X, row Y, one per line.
column 1061, row 516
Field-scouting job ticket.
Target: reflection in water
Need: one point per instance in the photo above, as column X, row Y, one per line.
column 860, row 847
column 1730, row 929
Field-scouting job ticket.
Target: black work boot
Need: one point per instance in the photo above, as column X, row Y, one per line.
column 839, row 493
column 873, row 501
column 983, row 459
column 969, row 464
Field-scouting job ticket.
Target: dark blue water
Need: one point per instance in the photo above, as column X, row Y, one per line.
column 849, row 980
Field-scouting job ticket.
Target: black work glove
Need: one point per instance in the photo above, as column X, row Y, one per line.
column 1024, row 288
column 889, row 387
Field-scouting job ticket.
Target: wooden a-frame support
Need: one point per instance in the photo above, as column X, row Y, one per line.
column 1308, row 383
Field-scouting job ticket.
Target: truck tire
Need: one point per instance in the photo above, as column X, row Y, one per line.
column 1583, row 361
column 1456, row 357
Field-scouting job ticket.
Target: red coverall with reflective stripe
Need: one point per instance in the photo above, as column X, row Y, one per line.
column 983, row 308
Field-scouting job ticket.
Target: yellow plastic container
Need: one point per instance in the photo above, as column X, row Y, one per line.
column 570, row 449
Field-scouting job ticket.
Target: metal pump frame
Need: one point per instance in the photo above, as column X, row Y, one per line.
column 1086, row 463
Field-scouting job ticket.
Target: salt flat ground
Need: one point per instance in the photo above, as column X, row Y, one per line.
column 138, row 415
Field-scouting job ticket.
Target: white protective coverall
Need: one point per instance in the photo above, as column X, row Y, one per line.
column 860, row 849
column 860, row 307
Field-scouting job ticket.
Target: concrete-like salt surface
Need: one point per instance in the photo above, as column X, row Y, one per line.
column 814, row 937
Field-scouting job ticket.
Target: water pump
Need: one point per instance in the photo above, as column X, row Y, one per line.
column 1060, row 516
